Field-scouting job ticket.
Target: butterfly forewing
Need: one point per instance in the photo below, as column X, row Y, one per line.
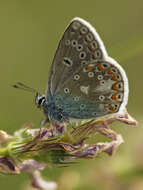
column 78, row 46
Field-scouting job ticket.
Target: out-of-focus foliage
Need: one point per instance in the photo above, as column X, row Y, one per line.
column 29, row 34
column 57, row 145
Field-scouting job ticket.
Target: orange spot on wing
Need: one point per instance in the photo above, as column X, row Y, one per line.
column 114, row 86
column 111, row 108
column 110, row 71
column 88, row 68
column 114, row 97
column 100, row 67
column 114, row 78
column 90, row 46
column 94, row 56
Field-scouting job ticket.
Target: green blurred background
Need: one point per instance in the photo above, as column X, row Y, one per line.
column 29, row 34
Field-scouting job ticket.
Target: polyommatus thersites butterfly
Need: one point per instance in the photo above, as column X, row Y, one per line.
column 84, row 81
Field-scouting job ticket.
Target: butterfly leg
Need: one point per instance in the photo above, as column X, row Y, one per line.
column 43, row 122
column 57, row 128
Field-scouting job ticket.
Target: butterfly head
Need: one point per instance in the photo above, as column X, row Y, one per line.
column 40, row 100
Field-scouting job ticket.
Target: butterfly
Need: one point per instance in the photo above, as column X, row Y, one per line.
column 84, row 82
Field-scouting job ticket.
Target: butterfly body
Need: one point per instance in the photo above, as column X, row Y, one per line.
column 84, row 81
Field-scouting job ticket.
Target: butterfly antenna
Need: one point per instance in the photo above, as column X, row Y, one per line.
column 20, row 85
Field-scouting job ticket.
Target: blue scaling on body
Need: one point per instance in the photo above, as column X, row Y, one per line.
column 84, row 82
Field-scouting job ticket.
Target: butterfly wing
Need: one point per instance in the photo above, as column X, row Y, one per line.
column 73, row 51
column 84, row 81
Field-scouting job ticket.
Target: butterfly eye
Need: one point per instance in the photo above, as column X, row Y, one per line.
column 40, row 100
